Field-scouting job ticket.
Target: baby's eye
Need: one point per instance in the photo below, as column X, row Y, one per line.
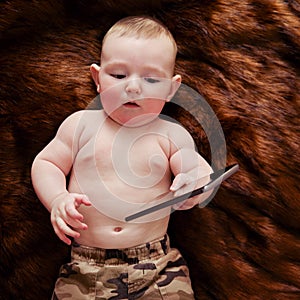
column 118, row 76
column 151, row 80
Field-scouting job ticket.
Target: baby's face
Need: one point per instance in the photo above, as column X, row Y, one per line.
column 136, row 78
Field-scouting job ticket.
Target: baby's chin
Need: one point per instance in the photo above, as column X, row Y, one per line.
column 136, row 121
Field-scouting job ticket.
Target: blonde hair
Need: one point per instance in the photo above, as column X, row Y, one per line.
column 140, row 27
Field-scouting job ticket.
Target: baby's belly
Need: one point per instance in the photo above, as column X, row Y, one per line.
column 108, row 233
column 107, row 226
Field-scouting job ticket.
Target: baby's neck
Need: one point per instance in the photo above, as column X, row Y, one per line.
column 142, row 122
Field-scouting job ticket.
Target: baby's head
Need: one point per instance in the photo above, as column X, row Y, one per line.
column 136, row 76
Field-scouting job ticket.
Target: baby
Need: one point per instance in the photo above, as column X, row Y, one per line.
column 103, row 163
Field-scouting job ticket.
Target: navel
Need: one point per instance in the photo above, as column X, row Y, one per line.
column 118, row 229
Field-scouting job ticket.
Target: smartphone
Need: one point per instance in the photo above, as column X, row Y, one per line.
column 216, row 179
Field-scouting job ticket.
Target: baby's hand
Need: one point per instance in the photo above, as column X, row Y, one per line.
column 65, row 216
column 184, row 183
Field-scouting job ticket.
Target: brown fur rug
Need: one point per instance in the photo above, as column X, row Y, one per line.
column 242, row 56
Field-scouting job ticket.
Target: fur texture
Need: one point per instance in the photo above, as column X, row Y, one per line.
column 242, row 56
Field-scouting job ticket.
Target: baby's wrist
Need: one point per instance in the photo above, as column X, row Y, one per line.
column 59, row 197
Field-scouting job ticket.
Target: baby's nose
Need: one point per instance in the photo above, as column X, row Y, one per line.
column 133, row 86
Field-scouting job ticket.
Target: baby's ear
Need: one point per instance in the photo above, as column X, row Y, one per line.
column 176, row 81
column 95, row 70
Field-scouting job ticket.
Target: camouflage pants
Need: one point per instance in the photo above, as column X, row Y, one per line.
column 151, row 271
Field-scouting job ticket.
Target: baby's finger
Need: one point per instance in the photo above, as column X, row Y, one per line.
column 187, row 188
column 81, row 199
column 76, row 224
column 62, row 237
column 185, row 205
column 62, row 229
column 73, row 212
column 85, row 200
column 73, row 218
column 179, row 181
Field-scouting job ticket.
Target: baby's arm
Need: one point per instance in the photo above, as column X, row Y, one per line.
column 190, row 169
column 49, row 171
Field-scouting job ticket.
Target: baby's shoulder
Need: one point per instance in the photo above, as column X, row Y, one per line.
column 82, row 126
column 83, row 118
column 87, row 114
column 80, row 121
column 176, row 132
column 171, row 127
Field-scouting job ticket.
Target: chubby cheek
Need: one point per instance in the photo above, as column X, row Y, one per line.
column 111, row 97
column 154, row 106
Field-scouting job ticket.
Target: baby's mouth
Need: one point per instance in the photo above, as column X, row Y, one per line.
column 131, row 104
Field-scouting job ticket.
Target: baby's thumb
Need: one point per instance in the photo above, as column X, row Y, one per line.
column 85, row 200
column 179, row 181
column 82, row 199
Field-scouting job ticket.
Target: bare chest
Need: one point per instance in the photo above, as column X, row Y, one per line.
column 132, row 156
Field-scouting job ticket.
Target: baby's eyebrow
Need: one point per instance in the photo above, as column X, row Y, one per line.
column 157, row 71
column 147, row 69
column 115, row 64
